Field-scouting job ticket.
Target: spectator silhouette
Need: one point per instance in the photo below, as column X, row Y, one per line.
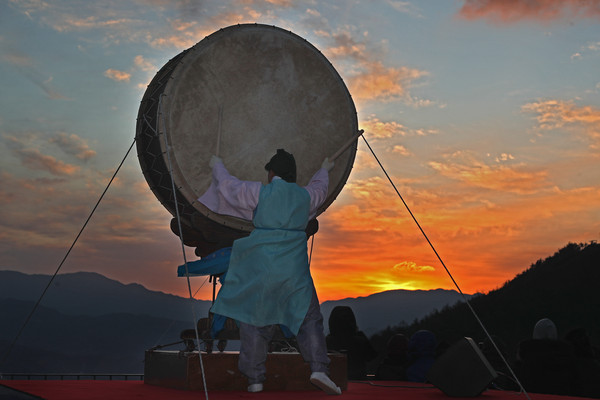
column 545, row 364
column 345, row 337
column 588, row 365
column 393, row 366
column 421, row 355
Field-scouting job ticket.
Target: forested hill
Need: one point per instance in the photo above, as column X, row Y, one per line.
column 563, row 287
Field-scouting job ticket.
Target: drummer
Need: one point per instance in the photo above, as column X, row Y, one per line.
column 268, row 280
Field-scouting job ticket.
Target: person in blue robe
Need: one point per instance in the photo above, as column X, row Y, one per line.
column 268, row 279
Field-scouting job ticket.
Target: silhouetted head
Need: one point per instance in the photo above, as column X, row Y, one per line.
column 545, row 329
column 342, row 321
column 283, row 165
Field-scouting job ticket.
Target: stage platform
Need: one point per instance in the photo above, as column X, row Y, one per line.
column 128, row 390
column 286, row 371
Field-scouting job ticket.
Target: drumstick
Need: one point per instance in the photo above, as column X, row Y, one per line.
column 346, row 145
column 219, row 131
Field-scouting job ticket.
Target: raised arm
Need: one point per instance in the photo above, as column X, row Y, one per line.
column 228, row 195
column 240, row 195
column 318, row 186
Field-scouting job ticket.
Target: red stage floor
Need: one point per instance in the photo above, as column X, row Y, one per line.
column 127, row 390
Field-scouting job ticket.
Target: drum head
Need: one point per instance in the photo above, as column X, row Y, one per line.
column 246, row 91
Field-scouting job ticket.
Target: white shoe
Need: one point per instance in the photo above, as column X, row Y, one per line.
column 255, row 387
column 322, row 381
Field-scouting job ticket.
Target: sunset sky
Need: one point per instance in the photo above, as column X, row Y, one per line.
column 486, row 115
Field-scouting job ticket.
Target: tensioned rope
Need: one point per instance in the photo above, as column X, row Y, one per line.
column 5, row 356
column 448, row 271
column 178, row 217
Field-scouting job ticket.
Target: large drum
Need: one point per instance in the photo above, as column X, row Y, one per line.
column 244, row 91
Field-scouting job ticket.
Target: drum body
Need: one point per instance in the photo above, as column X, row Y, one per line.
column 244, row 91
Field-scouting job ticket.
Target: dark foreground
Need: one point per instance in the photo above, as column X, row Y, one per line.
column 127, row 390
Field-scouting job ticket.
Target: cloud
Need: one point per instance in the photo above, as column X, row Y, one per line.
column 26, row 66
column 117, row 21
column 73, row 145
column 367, row 79
column 405, row 7
column 33, row 159
column 559, row 114
column 399, row 149
column 410, row 266
column 117, row 75
column 185, row 23
column 140, row 64
column 510, row 11
column 144, row 65
column 371, row 80
column 383, row 83
column 182, row 35
column 465, row 167
column 502, row 157
column 47, row 212
column 471, row 229
column 375, row 128
column 26, row 147
column 74, row 23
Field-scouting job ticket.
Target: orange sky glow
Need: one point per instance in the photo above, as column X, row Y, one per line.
column 485, row 114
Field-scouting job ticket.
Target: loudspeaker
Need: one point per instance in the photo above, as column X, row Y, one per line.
column 462, row 370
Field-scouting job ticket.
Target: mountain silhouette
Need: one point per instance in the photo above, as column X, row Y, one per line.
column 393, row 307
column 89, row 323
column 562, row 287
column 92, row 294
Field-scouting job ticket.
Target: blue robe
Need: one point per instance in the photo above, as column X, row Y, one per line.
column 268, row 281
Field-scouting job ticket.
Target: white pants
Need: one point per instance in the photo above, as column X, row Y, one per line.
column 311, row 343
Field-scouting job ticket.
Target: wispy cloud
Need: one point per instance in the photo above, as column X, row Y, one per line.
column 472, row 229
column 116, row 75
column 368, row 79
column 34, row 159
column 73, row 145
column 465, row 167
column 389, row 129
column 383, row 83
column 567, row 115
column 27, row 67
column 189, row 22
column 405, row 7
column 27, row 147
column 410, row 266
column 510, row 11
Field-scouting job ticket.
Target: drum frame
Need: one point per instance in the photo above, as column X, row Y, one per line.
column 154, row 157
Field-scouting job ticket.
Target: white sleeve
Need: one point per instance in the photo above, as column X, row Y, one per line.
column 230, row 196
column 317, row 189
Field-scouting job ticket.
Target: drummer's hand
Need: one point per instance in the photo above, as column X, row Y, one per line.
column 214, row 160
column 328, row 165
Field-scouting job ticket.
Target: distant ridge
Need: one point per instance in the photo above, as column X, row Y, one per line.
column 393, row 307
column 90, row 323
column 92, row 294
